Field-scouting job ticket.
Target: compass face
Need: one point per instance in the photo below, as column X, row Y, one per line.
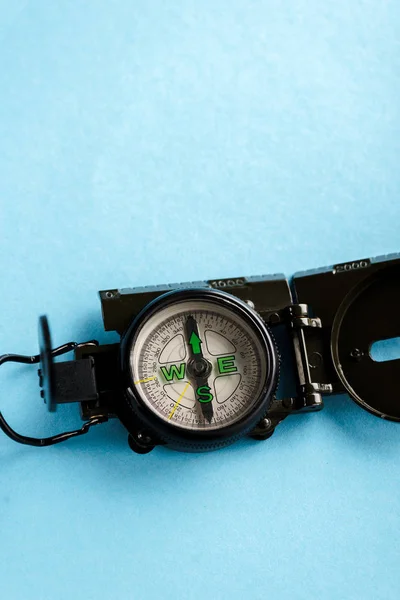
column 198, row 365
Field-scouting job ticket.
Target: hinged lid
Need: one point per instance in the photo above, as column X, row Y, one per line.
column 358, row 304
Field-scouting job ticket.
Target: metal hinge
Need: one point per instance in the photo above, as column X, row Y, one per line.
column 299, row 317
column 310, row 397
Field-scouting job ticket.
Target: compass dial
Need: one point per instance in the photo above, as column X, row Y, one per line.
column 199, row 365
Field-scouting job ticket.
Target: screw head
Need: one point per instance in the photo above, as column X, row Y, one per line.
column 265, row 423
column 356, row 354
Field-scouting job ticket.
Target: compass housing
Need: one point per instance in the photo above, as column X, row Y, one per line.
column 137, row 416
column 325, row 325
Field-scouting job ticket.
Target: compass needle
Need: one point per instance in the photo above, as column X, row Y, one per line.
column 199, row 368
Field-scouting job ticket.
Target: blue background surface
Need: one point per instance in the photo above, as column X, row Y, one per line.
column 266, row 134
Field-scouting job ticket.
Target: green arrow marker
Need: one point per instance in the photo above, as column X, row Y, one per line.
column 195, row 342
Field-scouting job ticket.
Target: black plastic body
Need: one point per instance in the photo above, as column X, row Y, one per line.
column 324, row 321
column 269, row 294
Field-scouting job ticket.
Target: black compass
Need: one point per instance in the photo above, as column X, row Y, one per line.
column 198, row 364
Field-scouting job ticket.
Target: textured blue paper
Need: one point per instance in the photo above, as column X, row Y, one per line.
column 268, row 133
